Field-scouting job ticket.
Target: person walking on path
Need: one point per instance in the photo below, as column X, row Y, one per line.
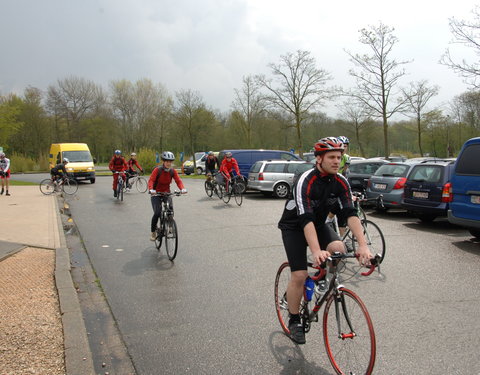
column 4, row 172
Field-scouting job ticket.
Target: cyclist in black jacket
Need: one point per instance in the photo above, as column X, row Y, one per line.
column 210, row 163
column 303, row 223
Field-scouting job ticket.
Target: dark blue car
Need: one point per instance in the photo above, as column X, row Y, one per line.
column 246, row 158
column 465, row 206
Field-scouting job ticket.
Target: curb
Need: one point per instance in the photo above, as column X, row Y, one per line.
column 78, row 356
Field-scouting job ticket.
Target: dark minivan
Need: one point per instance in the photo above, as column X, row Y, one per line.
column 246, row 158
column 465, row 206
column 427, row 191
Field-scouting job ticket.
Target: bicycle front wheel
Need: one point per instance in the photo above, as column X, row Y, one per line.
column 141, row 185
column 348, row 334
column 225, row 195
column 237, row 192
column 208, row 189
column 70, row 187
column 171, row 238
column 158, row 238
column 47, row 186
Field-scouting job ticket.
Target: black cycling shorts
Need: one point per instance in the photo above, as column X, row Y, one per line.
column 296, row 245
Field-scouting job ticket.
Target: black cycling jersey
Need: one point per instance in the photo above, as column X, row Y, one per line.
column 57, row 168
column 313, row 195
column 210, row 164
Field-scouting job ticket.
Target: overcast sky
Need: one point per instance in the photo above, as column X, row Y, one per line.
column 209, row 45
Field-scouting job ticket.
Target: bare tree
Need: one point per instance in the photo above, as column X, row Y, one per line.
column 417, row 97
column 466, row 33
column 377, row 75
column 73, row 98
column 249, row 106
column 190, row 116
column 356, row 114
column 298, row 88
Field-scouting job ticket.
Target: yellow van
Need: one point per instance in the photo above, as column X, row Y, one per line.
column 79, row 157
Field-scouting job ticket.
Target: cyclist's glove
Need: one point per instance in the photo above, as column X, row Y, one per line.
column 183, row 191
column 152, row 191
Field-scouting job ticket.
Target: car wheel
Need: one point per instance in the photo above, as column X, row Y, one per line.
column 92, row 180
column 187, row 173
column 281, row 190
column 427, row 218
column 199, row 170
column 475, row 233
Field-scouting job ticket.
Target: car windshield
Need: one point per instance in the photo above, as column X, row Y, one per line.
column 77, row 156
column 392, row 170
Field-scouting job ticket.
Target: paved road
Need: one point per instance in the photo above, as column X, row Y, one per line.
column 211, row 312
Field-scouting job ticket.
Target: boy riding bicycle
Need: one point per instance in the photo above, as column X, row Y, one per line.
column 228, row 165
column 132, row 163
column 303, row 223
column 117, row 164
column 159, row 182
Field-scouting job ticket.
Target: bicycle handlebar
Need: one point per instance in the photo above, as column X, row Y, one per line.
column 166, row 194
column 338, row 256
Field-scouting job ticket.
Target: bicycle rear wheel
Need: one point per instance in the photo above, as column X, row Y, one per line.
column 281, row 306
column 208, row 189
column 47, row 186
column 171, row 238
column 351, row 350
column 237, row 192
column 141, row 185
column 70, row 186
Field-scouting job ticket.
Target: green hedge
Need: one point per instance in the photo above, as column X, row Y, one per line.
column 21, row 164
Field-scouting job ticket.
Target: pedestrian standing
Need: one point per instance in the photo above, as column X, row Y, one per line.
column 4, row 172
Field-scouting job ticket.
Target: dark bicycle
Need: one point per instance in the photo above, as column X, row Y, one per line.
column 66, row 184
column 167, row 226
column 348, row 332
column 120, row 185
column 212, row 186
column 236, row 187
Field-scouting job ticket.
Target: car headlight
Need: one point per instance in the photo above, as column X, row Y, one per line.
column 70, row 169
column 89, row 169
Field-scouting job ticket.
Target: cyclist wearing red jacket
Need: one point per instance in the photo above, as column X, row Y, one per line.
column 132, row 163
column 159, row 182
column 228, row 165
column 117, row 164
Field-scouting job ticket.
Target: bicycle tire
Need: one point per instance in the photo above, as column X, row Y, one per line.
column 374, row 236
column 352, row 351
column 218, row 191
column 281, row 306
column 237, row 193
column 171, row 238
column 70, row 187
column 208, row 189
column 225, row 195
column 47, row 186
column 141, row 184
column 119, row 190
column 158, row 238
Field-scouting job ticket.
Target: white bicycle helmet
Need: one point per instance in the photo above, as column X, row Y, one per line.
column 167, row 155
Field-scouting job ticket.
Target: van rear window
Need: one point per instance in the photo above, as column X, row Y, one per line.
column 468, row 161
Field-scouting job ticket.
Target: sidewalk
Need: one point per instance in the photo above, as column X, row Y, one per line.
column 42, row 329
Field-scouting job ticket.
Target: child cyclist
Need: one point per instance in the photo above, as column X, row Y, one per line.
column 159, row 182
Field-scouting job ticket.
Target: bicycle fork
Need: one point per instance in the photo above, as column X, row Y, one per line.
column 341, row 308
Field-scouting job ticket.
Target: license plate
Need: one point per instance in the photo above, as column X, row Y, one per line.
column 252, row 178
column 475, row 199
column 380, row 186
column 420, row 194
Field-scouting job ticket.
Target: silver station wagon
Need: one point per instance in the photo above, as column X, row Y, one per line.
column 275, row 176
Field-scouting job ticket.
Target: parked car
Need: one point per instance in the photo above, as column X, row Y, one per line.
column 308, row 156
column 465, row 206
column 360, row 171
column 355, row 158
column 427, row 191
column 389, row 180
column 276, row 176
column 200, row 157
column 246, row 158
